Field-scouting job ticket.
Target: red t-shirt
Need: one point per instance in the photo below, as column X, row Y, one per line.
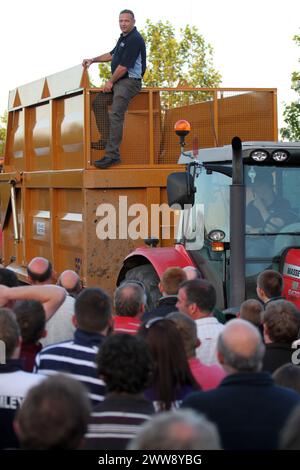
column 128, row 325
column 27, row 355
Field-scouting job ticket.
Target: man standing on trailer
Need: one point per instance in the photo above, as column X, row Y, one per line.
column 128, row 65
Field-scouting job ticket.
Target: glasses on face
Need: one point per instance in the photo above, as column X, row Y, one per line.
column 152, row 322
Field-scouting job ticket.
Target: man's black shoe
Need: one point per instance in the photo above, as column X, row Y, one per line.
column 106, row 162
column 99, row 145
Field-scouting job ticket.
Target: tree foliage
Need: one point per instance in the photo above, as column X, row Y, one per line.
column 3, row 123
column 172, row 61
column 291, row 112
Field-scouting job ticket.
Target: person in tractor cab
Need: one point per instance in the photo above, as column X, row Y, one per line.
column 266, row 211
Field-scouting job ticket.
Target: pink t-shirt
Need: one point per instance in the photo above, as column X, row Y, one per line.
column 208, row 377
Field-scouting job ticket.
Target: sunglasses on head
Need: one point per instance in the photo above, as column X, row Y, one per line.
column 152, row 322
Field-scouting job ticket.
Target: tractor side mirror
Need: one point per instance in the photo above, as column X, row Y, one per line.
column 181, row 189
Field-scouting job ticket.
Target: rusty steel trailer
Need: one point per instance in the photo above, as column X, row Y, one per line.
column 50, row 191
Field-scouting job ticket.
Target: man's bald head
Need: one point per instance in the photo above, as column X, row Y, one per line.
column 39, row 271
column 70, row 281
column 129, row 299
column 240, row 347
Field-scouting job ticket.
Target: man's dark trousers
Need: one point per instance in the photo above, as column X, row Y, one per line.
column 111, row 127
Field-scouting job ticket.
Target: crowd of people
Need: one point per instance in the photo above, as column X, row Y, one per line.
column 84, row 371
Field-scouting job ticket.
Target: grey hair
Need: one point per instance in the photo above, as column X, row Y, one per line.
column 160, row 433
column 238, row 362
column 128, row 299
column 193, row 270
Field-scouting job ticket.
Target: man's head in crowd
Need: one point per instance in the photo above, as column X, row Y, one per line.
column 31, row 318
column 124, row 362
column 192, row 273
column 93, row 311
column 290, row 436
column 288, row 376
column 71, row 282
column 177, row 430
column 269, row 285
column 129, row 300
column 171, row 280
column 196, row 298
column 39, row 271
column 252, row 311
column 240, row 347
column 281, row 321
column 54, row 415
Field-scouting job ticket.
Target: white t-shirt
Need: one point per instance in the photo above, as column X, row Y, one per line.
column 208, row 330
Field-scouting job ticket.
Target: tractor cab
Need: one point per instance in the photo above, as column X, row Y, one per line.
column 245, row 209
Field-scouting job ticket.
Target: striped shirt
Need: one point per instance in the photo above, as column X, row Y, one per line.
column 77, row 359
column 116, row 421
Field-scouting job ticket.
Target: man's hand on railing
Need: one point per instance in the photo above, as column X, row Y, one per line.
column 86, row 63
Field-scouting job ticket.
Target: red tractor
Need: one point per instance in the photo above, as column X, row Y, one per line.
column 240, row 214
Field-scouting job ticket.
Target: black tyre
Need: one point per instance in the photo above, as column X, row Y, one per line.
column 147, row 274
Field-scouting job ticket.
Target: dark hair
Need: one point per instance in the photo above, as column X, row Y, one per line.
column 251, row 310
column 288, row 376
column 93, row 309
column 188, row 329
column 54, row 415
column 290, row 436
column 40, row 277
column 129, row 12
column 282, row 321
column 129, row 298
column 9, row 331
column 31, row 319
column 171, row 280
column 200, row 292
column 124, row 361
column 271, row 282
column 171, row 369
column 8, row 278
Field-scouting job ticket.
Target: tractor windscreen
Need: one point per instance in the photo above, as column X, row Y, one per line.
column 272, row 214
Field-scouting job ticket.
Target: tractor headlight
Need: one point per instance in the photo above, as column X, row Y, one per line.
column 280, row 155
column 259, row 155
column 216, row 235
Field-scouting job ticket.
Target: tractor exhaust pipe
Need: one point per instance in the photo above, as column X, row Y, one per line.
column 237, row 227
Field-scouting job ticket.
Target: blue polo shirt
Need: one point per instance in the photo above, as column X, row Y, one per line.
column 130, row 52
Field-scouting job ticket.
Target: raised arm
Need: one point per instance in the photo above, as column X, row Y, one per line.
column 49, row 295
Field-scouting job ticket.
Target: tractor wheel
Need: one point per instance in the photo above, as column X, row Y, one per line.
column 147, row 274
